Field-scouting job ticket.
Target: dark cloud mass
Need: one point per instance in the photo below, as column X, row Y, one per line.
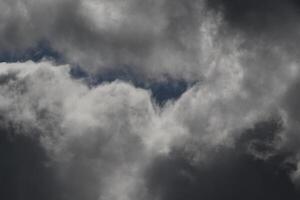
column 232, row 176
column 231, row 173
column 25, row 172
column 272, row 24
column 258, row 16
column 149, row 100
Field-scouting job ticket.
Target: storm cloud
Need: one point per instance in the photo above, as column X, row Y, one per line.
column 140, row 100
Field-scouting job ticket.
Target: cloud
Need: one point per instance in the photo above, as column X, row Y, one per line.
column 260, row 15
column 98, row 138
column 153, row 38
column 23, row 168
column 228, row 173
column 101, row 140
column 111, row 140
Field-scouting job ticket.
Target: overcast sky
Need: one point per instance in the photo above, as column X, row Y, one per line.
column 149, row 99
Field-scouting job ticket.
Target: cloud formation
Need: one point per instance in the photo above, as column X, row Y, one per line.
column 153, row 37
column 238, row 121
column 105, row 134
column 100, row 140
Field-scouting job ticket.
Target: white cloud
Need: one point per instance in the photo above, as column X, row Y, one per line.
column 112, row 131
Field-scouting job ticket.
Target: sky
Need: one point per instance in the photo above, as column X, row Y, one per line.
column 149, row 100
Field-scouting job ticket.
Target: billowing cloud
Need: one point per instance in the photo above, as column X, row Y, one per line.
column 104, row 134
column 234, row 129
column 154, row 38
column 101, row 140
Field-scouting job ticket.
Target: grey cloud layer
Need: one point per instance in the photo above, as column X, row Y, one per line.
column 153, row 37
column 111, row 141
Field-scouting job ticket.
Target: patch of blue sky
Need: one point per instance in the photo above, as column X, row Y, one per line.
column 162, row 91
column 36, row 53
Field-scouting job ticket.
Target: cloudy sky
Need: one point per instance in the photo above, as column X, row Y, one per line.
column 149, row 99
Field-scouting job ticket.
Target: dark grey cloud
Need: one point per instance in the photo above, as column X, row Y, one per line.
column 230, row 173
column 258, row 16
column 266, row 23
column 25, row 172
column 292, row 100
